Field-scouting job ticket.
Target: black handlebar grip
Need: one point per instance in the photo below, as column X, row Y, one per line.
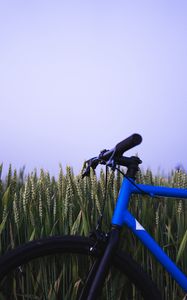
column 130, row 142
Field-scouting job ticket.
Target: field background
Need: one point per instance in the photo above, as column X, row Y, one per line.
column 38, row 205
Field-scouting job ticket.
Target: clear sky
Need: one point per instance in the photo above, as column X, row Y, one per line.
column 79, row 76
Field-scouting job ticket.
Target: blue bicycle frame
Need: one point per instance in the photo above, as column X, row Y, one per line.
column 122, row 216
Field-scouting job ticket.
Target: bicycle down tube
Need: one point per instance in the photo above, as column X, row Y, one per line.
column 122, row 216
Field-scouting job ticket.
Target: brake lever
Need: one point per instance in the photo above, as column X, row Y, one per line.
column 92, row 163
column 86, row 172
column 111, row 163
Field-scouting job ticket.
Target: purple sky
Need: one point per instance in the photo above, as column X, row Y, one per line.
column 79, row 76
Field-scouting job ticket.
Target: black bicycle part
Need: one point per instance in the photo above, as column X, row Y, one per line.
column 114, row 156
column 76, row 245
column 125, row 145
column 104, row 264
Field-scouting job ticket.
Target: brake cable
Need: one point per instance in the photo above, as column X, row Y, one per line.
column 99, row 223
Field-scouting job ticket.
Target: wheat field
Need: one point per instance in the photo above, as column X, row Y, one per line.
column 38, row 205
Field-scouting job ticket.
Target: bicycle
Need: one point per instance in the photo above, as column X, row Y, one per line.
column 100, row 250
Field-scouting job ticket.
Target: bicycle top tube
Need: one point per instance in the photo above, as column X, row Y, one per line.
column 160, row 191
column 129, row 187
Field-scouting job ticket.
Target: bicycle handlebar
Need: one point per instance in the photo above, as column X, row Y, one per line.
column 130, row 142
column 123, row 146
column 115, row 153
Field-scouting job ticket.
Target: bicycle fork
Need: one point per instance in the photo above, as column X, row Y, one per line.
column 99, row 270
